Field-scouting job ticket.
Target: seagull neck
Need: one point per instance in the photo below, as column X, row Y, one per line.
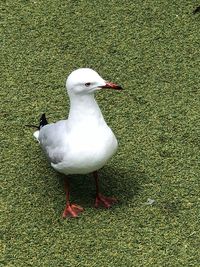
column 84, row 108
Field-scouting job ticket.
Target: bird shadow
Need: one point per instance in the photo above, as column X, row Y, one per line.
column 124, row 184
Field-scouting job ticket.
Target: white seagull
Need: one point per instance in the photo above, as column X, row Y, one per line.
column 83, row 143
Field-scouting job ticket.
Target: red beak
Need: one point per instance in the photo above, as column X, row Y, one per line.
column 112, row 86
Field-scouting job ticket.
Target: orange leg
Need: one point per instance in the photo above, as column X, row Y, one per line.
column 71, row 210
column 100, row 200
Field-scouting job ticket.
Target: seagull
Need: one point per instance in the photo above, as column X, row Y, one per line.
column 84, row 142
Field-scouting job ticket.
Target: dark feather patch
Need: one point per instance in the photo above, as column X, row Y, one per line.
column 43, row 121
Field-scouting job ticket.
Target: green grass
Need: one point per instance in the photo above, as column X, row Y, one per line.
column 152, row 49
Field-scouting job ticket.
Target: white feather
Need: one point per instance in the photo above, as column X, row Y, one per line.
column 84, row 142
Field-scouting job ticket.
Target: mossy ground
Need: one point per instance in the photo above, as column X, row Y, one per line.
column 152, row 49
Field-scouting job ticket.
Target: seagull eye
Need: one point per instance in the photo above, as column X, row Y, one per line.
column 87, row 84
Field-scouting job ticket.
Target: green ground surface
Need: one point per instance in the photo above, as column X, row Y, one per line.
column 152, row 49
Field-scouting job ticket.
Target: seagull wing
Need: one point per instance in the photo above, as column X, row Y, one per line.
column 52, row 138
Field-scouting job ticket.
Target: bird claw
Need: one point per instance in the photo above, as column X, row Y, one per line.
column 105, row 202
column 72, row 211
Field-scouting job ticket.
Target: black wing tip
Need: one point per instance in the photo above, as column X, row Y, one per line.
column 43, row 121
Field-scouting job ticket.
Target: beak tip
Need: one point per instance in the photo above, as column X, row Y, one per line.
column 112, row 86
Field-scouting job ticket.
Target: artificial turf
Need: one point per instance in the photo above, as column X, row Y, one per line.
column 149, row 47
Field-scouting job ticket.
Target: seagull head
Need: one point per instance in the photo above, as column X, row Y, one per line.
column 86, row 81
